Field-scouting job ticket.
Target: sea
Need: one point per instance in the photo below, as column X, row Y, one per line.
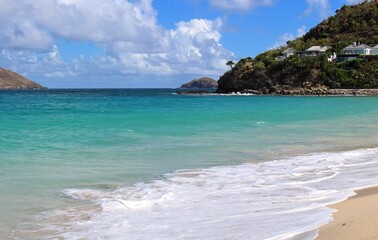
column 151, row 164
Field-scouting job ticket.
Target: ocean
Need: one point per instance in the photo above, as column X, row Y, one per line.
column 151, row 164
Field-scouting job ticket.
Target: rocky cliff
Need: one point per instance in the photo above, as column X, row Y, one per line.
column 13, row 81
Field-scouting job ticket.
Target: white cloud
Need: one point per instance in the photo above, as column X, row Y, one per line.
column 127, row 30
column 320, row 6
column 195, row 43
column 282, row 40
column 100, row 21
column 301, row 31
column 240, row 5
column 48, row 64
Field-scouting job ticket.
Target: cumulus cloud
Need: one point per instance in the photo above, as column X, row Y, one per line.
column 284, row 38
column 101, row 21
column 191, row 47
column 128, row 31
column 240, row 5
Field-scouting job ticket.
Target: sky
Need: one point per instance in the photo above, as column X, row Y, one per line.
column 145, row 43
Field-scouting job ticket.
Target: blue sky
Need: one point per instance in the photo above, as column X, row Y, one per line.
column 145, row 43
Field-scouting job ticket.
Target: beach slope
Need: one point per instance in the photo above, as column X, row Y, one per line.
column 356, row 218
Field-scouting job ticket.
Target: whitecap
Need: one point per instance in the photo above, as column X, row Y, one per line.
column 280, row 199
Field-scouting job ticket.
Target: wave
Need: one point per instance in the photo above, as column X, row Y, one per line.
column 279, row 199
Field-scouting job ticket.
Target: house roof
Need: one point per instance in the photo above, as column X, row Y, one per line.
column 318, row 49
column 314, row 48
column 357, row 47
column 290, row 50
column 350, row 47
column 363, row 46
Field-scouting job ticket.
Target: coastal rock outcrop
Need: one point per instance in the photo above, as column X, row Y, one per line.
column 13, row 81
column 204, row 82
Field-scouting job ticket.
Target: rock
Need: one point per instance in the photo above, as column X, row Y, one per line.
column 273, row 89
column 203, row 82
column 249, row 91
column 13, row 81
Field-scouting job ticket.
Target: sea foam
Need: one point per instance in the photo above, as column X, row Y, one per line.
column 282, row 199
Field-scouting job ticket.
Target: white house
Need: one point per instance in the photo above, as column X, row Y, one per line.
column 374, row 50
column 315, row 50
column 355, row 49
column 318, row 49
column 288, row 52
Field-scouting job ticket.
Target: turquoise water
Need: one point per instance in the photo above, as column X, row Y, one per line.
column 55, row 142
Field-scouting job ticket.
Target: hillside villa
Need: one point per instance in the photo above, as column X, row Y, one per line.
column 348, row 53
column 288, row 52
column 311, row 52
column 355, row 49
column 315, row 51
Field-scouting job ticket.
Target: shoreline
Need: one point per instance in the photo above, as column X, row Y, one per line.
column 329, row 92
column 292, row 92
column 354, row 218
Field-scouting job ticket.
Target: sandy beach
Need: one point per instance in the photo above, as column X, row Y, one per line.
column 356, row 218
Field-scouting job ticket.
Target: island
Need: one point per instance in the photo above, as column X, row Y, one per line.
column 339, row 56
column 13, row 81
column 201, row 83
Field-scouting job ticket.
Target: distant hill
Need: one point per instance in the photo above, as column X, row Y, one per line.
column 267, row 73
column 13, row 81
column 204, row 82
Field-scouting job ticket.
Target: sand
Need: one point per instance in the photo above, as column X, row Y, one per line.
column 356, row 218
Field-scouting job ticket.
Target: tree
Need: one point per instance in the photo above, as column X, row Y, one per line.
column 231, row 64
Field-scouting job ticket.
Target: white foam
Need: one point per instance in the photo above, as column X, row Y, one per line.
column 270, row 200
column 236, row 94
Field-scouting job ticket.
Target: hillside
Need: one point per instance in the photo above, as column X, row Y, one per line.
column 204, row 82
column 355, row 23
column 268, row 74
column 13, row 81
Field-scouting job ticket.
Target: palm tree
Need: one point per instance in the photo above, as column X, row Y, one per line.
column 231, row 64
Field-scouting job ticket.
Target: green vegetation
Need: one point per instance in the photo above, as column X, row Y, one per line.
column 355, row 23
